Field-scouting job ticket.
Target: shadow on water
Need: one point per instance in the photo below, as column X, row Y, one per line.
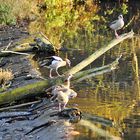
column 113, row 96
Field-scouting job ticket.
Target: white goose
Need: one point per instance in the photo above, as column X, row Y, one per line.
column 117, row 24
column 53, row 63
column 63, row 93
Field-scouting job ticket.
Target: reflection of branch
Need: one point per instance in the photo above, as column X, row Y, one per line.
column 100, row 131
column 135, row 67
column 98, row 119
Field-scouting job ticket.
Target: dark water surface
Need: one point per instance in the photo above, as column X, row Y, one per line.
column 112, row 99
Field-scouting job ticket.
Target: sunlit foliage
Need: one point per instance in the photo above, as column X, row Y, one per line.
column 13, row 10
column 6, row 17
column 67, row 19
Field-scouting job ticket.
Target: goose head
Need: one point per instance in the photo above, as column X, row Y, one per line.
column 120, row 17
column 68, row 78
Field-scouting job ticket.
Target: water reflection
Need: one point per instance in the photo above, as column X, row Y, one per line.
column 115, row 95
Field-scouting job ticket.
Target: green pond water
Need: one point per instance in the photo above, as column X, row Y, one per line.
column 111, row 97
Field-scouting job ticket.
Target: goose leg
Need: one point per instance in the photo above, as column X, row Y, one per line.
column 116, row 34
column 64, row 106
column 50, row 73
column 57, row 72
column 59, row 107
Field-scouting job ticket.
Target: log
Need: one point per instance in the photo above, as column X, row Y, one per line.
column 96, row 71
column 18, row 106
column 23, row 92
column 4, row 115
column 40, row 45
column 98, row 119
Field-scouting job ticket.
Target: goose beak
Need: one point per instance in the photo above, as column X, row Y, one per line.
column 69, row 64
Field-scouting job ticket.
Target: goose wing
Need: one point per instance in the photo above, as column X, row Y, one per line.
column 113, row 22
column 46, row 62
column 72, row 94
column 57, row 58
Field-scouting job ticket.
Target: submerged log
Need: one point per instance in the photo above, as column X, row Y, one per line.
column 96, row 71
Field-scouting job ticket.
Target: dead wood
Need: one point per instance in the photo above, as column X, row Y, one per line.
column 4, row 115
column 24, row 92
column 47, row 124
column 98, row 119
column 20, row 105
column 19, row 118
column 96, row 71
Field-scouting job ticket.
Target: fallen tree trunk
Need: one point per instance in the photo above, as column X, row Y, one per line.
column 99, row 52
column 38, row 87
column 23, row 92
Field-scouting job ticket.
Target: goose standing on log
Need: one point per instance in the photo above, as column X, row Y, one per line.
column 62, row 93
column 117, row 24
column 53, row 63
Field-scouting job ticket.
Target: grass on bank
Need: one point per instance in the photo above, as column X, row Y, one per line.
column 13, row 10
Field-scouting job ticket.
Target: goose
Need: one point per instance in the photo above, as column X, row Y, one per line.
column 63, row 97
column 62, row 93
column 117, row 25
column 53, row 63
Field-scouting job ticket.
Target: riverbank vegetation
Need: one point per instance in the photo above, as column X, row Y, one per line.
column 12, row 11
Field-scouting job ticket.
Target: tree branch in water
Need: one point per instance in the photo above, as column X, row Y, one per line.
column 99, row 52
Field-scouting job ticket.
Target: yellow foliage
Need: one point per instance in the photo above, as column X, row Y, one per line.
column 21, row 8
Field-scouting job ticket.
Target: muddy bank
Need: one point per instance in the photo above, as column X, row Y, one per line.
column 17, row 130
column 21, row 67
column 19, row 64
